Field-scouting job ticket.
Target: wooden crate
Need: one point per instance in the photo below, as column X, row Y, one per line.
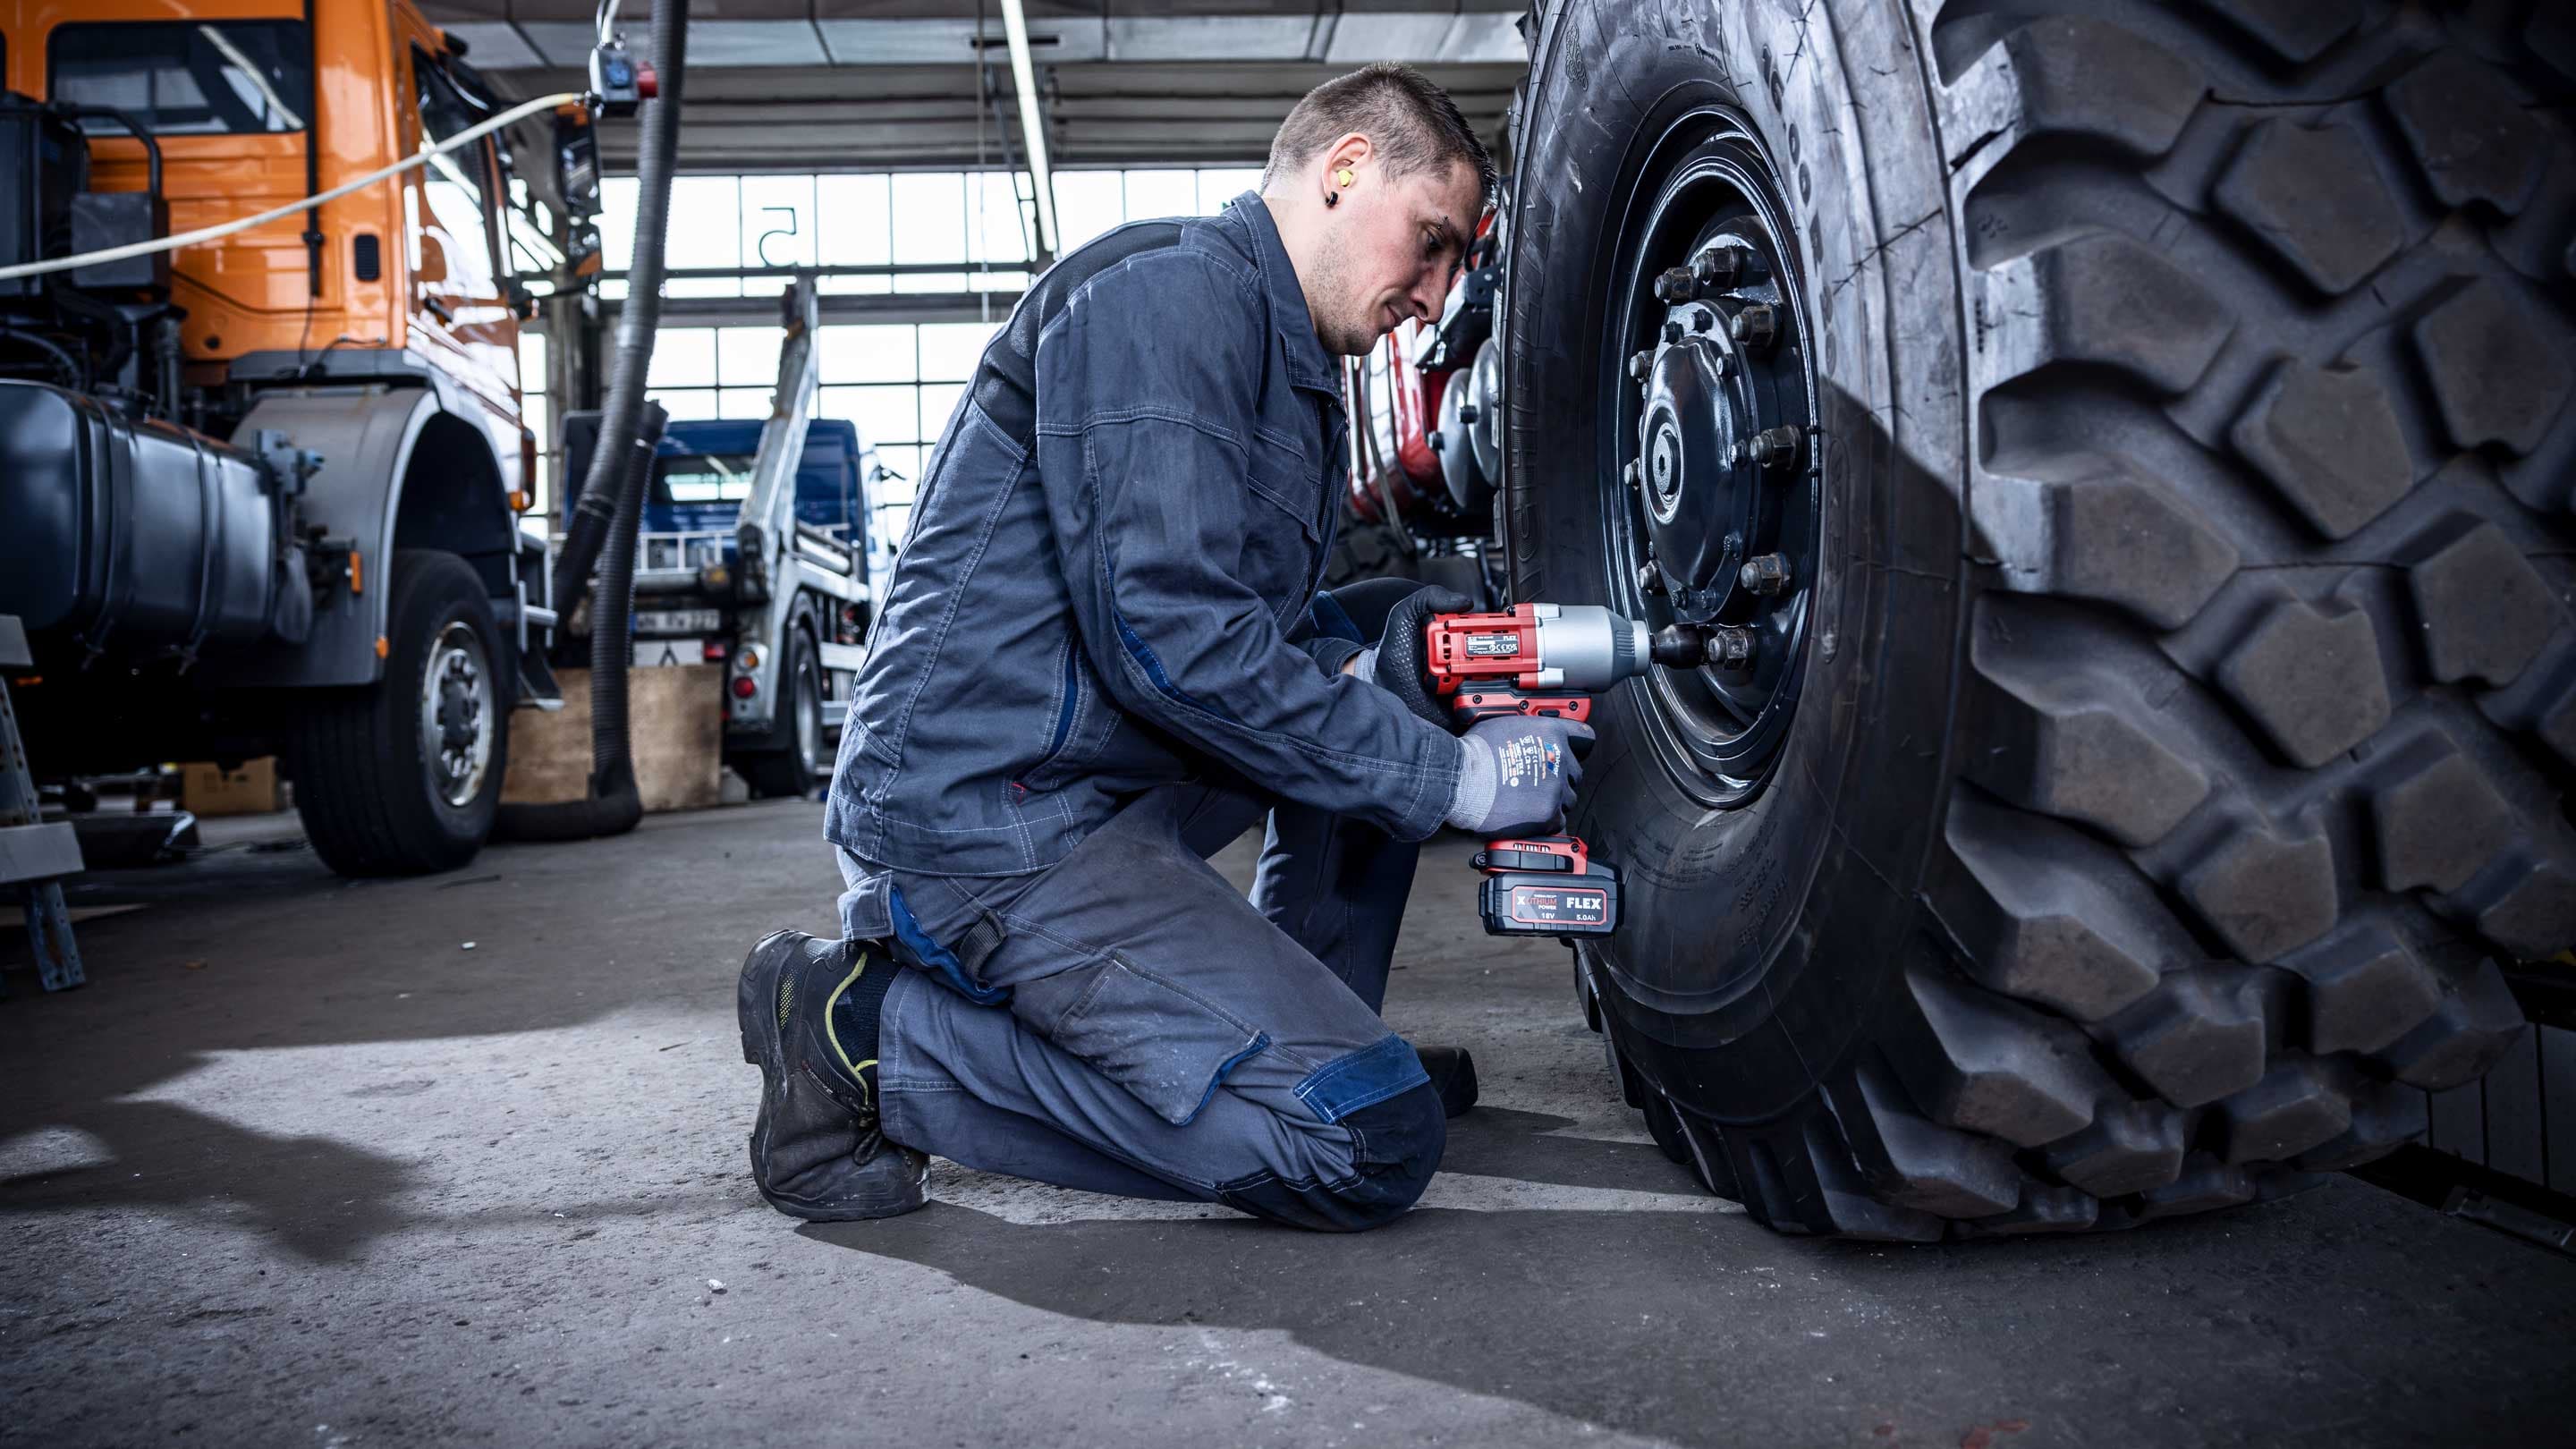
column 675, row 720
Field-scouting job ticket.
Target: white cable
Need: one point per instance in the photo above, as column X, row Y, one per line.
column 474, row 132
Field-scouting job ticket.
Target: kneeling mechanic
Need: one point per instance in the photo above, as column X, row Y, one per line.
column 1103, row 656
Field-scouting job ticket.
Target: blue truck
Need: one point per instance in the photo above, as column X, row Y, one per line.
column 757, row 551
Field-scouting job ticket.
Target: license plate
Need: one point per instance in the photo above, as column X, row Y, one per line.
column 650, row 653
column 677, row 621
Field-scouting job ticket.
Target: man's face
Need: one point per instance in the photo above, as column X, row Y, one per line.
column 1390, row 250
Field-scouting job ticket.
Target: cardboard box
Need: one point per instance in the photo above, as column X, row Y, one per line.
column 252, row 789
column 675, row 728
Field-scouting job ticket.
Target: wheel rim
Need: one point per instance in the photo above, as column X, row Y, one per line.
column 1712, row 495
column 456, row 716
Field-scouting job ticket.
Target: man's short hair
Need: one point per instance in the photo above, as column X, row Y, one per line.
column 1412, row 123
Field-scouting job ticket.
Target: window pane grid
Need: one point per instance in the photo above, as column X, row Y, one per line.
column 899, row 382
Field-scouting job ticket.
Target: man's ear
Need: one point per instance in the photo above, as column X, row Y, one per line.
column 1351, row 154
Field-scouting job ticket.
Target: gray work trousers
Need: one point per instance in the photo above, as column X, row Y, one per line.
column 1125, row 1022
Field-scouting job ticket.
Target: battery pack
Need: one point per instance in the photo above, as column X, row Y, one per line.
column 1545, row 885
column 1526, row 903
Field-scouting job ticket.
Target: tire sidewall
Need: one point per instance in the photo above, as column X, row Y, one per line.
column 435, row 591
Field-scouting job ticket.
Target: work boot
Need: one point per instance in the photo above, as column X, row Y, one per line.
column 809, row 1022
column 1453, row 1076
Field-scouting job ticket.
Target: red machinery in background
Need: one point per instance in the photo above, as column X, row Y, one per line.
column 1426, row 454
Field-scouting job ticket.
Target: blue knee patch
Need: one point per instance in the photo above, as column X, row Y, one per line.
column 1360, row 1079
column 1396, row 1145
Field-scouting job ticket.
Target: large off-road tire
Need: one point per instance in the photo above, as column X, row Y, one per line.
column 2160, row 728
column 795, row 762
column 404, row 775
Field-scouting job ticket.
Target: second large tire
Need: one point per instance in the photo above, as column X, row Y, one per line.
column 403, row 776
column 2185, row 701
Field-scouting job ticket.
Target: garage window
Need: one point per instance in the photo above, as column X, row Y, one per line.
column 192, row 78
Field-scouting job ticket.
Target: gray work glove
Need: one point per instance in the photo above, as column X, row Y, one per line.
column 1516, row 775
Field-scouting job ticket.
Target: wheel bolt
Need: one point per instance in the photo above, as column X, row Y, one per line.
column 1730, row 647
column 1650, row 579
column 1628, row 473
column 1672, row 332
column 1768, row 574
column 1719, row 266
column 1702, row 319
column 1775, row 447
column 1674, row 284
column 1755, row 326
column 1641, row 364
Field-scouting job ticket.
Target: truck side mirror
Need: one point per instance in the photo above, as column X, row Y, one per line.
column 577, row 167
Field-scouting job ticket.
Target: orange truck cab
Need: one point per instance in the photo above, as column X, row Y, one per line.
column 262, row 491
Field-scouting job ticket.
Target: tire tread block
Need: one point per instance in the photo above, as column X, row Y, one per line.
column 2297, row 1106
column 2118, row 303
column 2265, row 894
column 2314, row 195
column 2362, row 990
column 2131, row 1147
column 2385, row 1117
column 2329, row 441
column 2469, row 1032
column 2535, row 917
column 2199, row 1037
column 2107, row 533
column 2435, row 818
column 2204, row 1185
column 2049, row 916
column 2487, row 613
column 2471, row 132
column 2071, row 744
column 2312, row 681
column 1986, row 1065
column 1915, row 1163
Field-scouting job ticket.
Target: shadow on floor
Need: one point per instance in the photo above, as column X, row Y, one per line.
column 249, row 951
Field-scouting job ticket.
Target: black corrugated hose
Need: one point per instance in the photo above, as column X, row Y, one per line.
column 605, row 520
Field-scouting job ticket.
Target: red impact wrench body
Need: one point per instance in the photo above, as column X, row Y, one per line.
column 1543, row 659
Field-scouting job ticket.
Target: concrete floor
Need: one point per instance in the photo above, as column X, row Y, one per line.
column 461, row 1160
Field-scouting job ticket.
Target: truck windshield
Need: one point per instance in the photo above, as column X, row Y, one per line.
column 702, row 478
column 186, row 78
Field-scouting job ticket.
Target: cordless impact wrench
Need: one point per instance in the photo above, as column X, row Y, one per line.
column 1544, row 659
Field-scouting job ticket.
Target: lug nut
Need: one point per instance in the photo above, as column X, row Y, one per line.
column 1730, row 647
column 1641, row 364
column 1768, row 574
column 1469, row 412
column 1702, row 319
column 1775, row 447
column 1650, row 579
column 1628, row 473
column 1719, row 266
column 1674, row 284
column 1755, row 326
column 1672, row 332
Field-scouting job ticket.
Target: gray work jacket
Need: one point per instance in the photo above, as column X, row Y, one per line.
column 1109, row 578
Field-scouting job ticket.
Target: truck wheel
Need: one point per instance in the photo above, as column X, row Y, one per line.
column 795, row 765
column 404, row 776
column 2132, row 446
